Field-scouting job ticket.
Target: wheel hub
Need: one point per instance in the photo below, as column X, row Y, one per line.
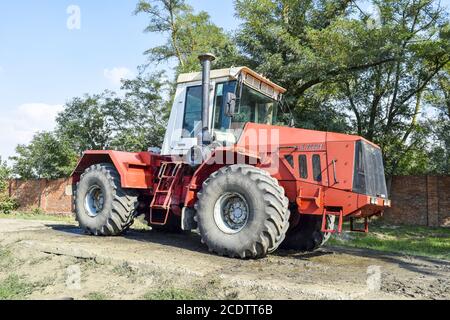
column 231, row 213
column 94, row 201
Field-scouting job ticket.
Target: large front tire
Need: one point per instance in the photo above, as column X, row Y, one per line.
column 102, row 207
column 242, row 212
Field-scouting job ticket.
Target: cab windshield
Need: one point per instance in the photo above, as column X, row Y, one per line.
column 251, row 106
column 254, row 107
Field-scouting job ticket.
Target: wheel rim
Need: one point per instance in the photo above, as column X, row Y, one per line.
column 94, row 201
column 231, row 213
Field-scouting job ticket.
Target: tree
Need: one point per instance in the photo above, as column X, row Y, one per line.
column 188, row 35
column 7, row 204
column 85, row 122
column 5, row 174
column 387, row 100
column 46, row 157
column 146, row 95
column 438, row 97
column 106, row 121
column 334, row 60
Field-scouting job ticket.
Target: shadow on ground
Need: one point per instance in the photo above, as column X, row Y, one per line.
column 185, row 240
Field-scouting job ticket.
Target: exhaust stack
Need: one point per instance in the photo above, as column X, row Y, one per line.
column 205, row 60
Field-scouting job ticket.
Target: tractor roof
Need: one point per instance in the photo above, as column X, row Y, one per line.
column 250, row 77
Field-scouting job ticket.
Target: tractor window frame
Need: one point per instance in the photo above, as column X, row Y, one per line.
column 186, row 101
column 303, row 166
column 221, row 121
column 317, row 167
column 290, row 159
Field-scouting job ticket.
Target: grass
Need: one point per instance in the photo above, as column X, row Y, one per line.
column 97, row 296
column 37, row 216
column 410, row 240
column 124, row 270
column 15, row 288
column 173, row 294
column 6, row 259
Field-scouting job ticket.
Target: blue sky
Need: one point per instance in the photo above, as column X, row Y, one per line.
column 43, row 63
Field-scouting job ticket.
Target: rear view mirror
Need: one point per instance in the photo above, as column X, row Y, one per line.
column 230, row 104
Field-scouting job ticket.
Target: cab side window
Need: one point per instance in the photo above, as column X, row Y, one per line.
column 317, row 168
column 192, row 111
column 303, row 166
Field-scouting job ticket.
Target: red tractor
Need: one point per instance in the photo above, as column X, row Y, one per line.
column 229, row 169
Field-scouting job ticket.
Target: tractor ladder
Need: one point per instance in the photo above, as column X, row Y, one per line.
column 169, row 175
column 326, row 214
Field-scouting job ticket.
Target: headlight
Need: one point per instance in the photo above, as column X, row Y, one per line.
column 387, row 203
column 374, row 201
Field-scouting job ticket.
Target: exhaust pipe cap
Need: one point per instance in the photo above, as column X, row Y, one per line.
column 207, row 57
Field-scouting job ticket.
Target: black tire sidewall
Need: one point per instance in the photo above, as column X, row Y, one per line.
column 97, row 178
column 234, row 182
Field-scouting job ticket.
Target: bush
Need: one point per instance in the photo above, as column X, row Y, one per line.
column 37, row 212
column 7, row 204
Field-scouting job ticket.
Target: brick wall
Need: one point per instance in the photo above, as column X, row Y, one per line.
column 51, row 196
column 416, row 200
column 420, row 200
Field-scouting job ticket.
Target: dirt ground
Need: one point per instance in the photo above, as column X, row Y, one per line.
column 68, row 264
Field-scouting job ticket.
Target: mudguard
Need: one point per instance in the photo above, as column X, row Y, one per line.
column 136, row 169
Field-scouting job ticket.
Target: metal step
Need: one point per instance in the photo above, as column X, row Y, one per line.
column 325, row 215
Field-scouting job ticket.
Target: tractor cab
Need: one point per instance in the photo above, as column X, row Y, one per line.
column 236, row 97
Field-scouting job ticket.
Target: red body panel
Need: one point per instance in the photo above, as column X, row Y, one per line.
column 336, row 151
column 137, row 170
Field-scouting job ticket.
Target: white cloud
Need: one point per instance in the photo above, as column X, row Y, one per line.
column 116, row 74
column 20, row 124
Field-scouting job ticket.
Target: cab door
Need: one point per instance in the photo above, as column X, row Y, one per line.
column 185, row 123
column 313, row 181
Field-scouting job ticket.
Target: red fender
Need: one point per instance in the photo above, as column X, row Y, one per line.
column 136, row 169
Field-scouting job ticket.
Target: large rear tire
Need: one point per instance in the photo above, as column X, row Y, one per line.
column 242, row 212
column 307, row 235
column 102, row 207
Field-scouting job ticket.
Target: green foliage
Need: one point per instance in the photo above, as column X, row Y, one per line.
column 439, row 126
column 188, row 35
column 173, row 294
column 346, row 71
column 15, row 288
column 103, row 121
column 5, row 174
column 48, row 156
column 97, row 296
column 145, row 94
column 106, row 121
column 7, row 204
column 419, row 241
